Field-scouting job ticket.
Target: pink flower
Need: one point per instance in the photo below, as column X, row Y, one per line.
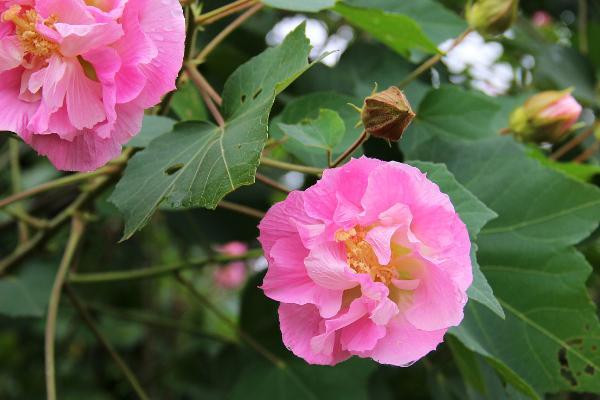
column 232, row 275
column 541, row 19
column 77, row 75
column 371, row 261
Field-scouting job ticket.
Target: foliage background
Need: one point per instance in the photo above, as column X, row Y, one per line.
column 547, row 345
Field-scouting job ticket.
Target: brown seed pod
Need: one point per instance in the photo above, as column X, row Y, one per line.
column 387, row 114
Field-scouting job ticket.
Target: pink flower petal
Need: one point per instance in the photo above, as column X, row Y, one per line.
column 326, row 266
column 301, row 322
column 287, row 279
column 403, row 344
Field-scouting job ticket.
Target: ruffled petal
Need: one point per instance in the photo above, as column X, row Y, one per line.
column 403, row 344
column 287, row 279
column 299, row 324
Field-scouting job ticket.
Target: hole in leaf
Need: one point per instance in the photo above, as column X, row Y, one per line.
column 243, row 98
column 258, row 92
column 594, row 347
column 173, row 168
column 589, row 369
column 565, row 371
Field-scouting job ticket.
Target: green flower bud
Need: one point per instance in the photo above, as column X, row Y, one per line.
column 545, row 117
column 492, row 17
column 387, row 114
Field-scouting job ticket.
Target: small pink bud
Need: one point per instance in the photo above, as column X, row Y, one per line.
column 546, row 117
column 541, row 19
column 232, row 275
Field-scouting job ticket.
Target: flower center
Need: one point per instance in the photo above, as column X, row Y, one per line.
column 104, row 5
column 30, row 39
column 362, row 258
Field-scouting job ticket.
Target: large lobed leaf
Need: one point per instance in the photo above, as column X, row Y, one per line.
column 198, row 163
column 550, row 338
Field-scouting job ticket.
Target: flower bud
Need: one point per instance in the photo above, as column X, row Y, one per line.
column 546, row 116
column 387, row 114
column 541, row 19
column 492, row 17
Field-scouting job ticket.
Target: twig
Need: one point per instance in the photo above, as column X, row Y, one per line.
column 249, row 211
column 89, row 321
column 58, row 183
column 15, row 176
column 571, row 144
column 153, row 272
column 201, row 57
column 268, row 162
column 201, row 83
column 208, row 94
column 77, row 229
column 222, row 12
column 350, row 150
column 149, row 319
column 271, row 183
column 229, row 322
column 586, row 155
column 24, row 217
column 432, row 61
column 39, row 238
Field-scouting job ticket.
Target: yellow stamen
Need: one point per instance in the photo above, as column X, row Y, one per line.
column 362, row 258
column 30, row 39
column 104, row 5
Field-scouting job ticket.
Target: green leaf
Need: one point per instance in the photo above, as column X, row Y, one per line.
column 152, row 127
column 304, row 5
column 475, row 215
column 551, row 336
column 455, row 113
column 199, row 163
column 26, row 294
column 397, row 31
column 436, row 21
column 300, row 381
column 322, row 133
column 308, row 107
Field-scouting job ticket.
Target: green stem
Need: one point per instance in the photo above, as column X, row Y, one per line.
column 432, row 61
column 350, row 150
column 18, row 213
column 271, row 183
column 268, row 162
column 15, row 174
column 229, row 322
column 201, row 57
column 156, row 321
column 224, row 11
column 153, row 272
column 77, row 229
column 89, row 321
column 54, row 224
column 58, row 183
column 239, row 208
